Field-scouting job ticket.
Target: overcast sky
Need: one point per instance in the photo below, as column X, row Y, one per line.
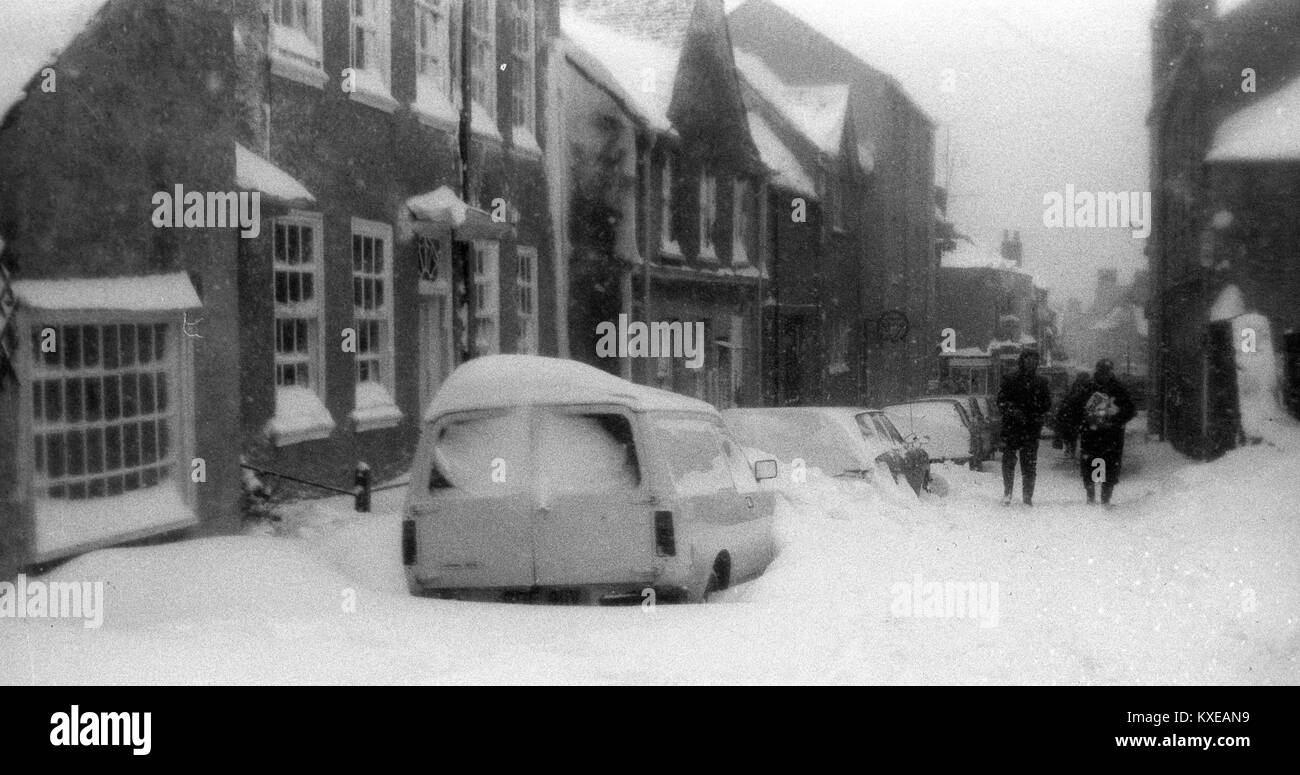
column 1048, row 93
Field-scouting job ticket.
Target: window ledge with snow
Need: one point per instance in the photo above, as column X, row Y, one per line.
column 372, row 91
column 708, row 254
column 483, row 124
column 375, row 408
column 65, row 527
column 300, row 416
column 525, row 143
column 671, row 250
column 286, row 65
column 432, row 108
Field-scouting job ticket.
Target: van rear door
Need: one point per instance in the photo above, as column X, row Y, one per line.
column 595, row 517
column 474, row 530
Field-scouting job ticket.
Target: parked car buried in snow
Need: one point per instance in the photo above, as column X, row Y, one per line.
column 941, row 426
column 834, row 441
column 541, row 479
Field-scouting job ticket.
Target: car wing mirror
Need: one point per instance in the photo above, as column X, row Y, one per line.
column 765, row 469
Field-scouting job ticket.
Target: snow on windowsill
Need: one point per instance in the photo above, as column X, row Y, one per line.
column 708, row 254
column 300, row 416
column 433, row 108
column 372, row 91
column 671, row 250
column 523, row 141
column 285, row 62
column 64, row 527
column 484, row 124
column 375, row 408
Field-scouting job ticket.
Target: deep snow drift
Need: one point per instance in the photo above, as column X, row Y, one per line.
column 1191, row 578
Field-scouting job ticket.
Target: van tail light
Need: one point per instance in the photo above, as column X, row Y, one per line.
column 408, row 542
column 665, row 535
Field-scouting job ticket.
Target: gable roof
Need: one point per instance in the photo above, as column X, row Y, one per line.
column 662, row 21
column 35, row 34
column 780, row 159
column 1267, row 131
column 818, row 112
column 640, row 71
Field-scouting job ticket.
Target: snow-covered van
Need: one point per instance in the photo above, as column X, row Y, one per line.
column 539, row 479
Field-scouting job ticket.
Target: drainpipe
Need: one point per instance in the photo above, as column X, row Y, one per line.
column 650, row 239
column 461, row 270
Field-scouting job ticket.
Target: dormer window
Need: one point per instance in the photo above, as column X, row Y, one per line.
column 370, row 32
column 437, row 63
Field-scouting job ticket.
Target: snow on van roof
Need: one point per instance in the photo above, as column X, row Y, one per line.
column 496, row 381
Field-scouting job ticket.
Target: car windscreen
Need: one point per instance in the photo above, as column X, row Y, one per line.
column 887, row 428
column 791, row 436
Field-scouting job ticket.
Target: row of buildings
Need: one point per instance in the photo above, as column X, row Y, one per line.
column 435, row 180
column 1224, row 305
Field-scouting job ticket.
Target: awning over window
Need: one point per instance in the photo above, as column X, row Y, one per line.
column 144, row 293
column 441, row 210
column 254, row 173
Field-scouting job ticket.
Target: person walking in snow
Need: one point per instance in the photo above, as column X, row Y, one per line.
column 1068, row 432
column 1099, row 410
column 1024, row 400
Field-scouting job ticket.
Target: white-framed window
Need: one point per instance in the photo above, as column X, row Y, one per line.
column 742, row 221
column 296, row 47
column 523, row 86
column 437, row 58
column 526, row 300
column 667, row 243
column 369, row 51
column 296, row 265
column 372, row 313
column 487, row 307
column 483, row 63
column 104, row 409
column 107, row 424
column 708, row 213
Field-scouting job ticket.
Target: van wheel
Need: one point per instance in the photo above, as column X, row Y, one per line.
column 719, row 577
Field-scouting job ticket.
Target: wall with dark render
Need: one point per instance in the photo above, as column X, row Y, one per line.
column 142, row 104
column 361, row 162
column 155, row 94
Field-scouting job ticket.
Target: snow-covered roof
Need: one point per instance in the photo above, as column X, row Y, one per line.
column 35, row 34
column 665, row 21
column 1120, row 316
column 643, row 71
column 254, row 173
column 1225, row 7
column 497, row 381
column 1268, row 130
column 780, row 159
column 818, row 112
column 970, row 255
column 146, row 293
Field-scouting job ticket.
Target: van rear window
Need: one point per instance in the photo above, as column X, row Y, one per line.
column 482, row 454
column 587, row 452
column 700, row 464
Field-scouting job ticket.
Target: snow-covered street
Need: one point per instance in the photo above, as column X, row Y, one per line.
column 1191, row 578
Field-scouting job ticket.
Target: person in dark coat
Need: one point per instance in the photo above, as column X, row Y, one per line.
column 1068, row 432
column 1099, row 410
column 1024, row 400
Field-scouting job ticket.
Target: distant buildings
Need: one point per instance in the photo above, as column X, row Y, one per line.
column 1113, row 326
column 1225, row 299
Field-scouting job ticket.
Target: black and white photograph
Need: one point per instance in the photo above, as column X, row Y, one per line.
column 651, row 342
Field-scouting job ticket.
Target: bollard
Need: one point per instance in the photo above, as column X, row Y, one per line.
column 361, row 480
